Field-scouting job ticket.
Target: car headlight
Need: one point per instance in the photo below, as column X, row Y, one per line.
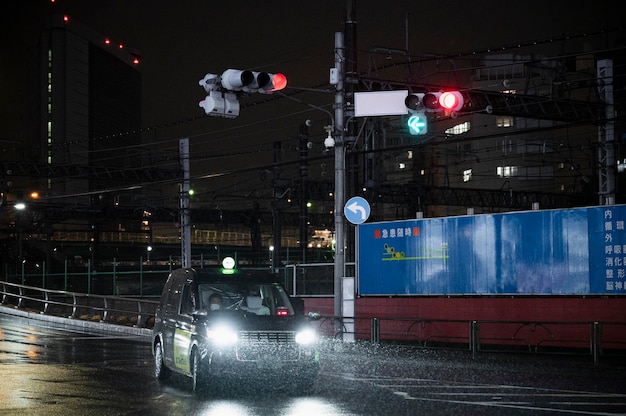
column 222, row 335
column 306, row 336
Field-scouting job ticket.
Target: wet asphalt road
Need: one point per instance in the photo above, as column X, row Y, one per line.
column 46, row 371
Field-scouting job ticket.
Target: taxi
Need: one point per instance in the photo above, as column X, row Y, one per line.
column 213, row 323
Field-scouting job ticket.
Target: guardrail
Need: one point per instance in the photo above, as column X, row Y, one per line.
column 109, row 309
column 586, row 337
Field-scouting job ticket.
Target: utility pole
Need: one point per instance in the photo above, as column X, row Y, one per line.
column 304, row 173
column 350, row 77
column 340, row 168
column 277, row 206
column 185, row 218
column 606, row 135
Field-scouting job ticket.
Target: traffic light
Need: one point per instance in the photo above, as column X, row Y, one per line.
column 435, row 101
column 221, row 104
column 418, row 124
column 418, row 104
column 451, row 100
column 251, row 81
column 222, row 99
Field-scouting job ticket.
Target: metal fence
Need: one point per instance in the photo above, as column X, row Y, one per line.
column 312, row 279
column 109, row 309
column 143, row 278
column 590, row 338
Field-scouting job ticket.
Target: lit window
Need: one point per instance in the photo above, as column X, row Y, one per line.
column 459, row 128
column 506, row 171
column 467, row 175
column 505, row 121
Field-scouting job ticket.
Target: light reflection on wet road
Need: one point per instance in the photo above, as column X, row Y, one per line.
column 46, row 371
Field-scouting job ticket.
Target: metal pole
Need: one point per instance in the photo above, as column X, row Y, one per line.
column 185, row 220
column 304, row 172
column 606, row 135
column 279, row 184
column 340, row 167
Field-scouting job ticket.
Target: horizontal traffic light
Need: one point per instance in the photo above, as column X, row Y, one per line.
column 435, row 101
column 251, row 81
column 222, row 100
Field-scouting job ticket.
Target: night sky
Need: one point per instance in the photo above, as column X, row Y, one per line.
column 180, row 41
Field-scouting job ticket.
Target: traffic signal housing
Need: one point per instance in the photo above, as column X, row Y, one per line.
column 252, row 81
column 418, row 104
column 435, row 101
column 221, row 104
column 222, row 100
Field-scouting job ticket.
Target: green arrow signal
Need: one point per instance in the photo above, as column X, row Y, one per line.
column 417, row 124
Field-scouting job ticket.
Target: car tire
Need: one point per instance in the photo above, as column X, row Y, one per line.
column 161, row 372
column 199, row 373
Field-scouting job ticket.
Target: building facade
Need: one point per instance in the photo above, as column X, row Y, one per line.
column 88, row 106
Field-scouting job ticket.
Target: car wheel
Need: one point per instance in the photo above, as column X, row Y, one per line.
column 161, row 372
column 199, row 376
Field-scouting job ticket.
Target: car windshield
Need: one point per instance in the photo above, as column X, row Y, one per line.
column 260, row 299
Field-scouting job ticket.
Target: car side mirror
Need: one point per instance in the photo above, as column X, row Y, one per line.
column 314, row 316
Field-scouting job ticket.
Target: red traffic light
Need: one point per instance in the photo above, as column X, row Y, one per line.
column 451, row 100
column 279, row 81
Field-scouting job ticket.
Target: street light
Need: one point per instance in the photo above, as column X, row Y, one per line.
column 19, row 206
column 271, row 249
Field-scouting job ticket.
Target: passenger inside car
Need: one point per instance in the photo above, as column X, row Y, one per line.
column 254, row 304
column 215, row 301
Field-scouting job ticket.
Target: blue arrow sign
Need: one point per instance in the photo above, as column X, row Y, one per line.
column 357, row 210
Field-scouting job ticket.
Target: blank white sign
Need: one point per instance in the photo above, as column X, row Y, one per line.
column 380, row 103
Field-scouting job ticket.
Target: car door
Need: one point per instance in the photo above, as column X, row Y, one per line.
column 184, row 329
column 170, row 318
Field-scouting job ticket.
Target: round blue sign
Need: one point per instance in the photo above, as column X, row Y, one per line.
column 357, row 210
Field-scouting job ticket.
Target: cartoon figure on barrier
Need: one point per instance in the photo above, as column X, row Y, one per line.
column 390, row 253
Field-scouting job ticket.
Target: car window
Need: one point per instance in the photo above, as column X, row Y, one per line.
column 237, row 296
column 172, row 301
column 187, row 303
